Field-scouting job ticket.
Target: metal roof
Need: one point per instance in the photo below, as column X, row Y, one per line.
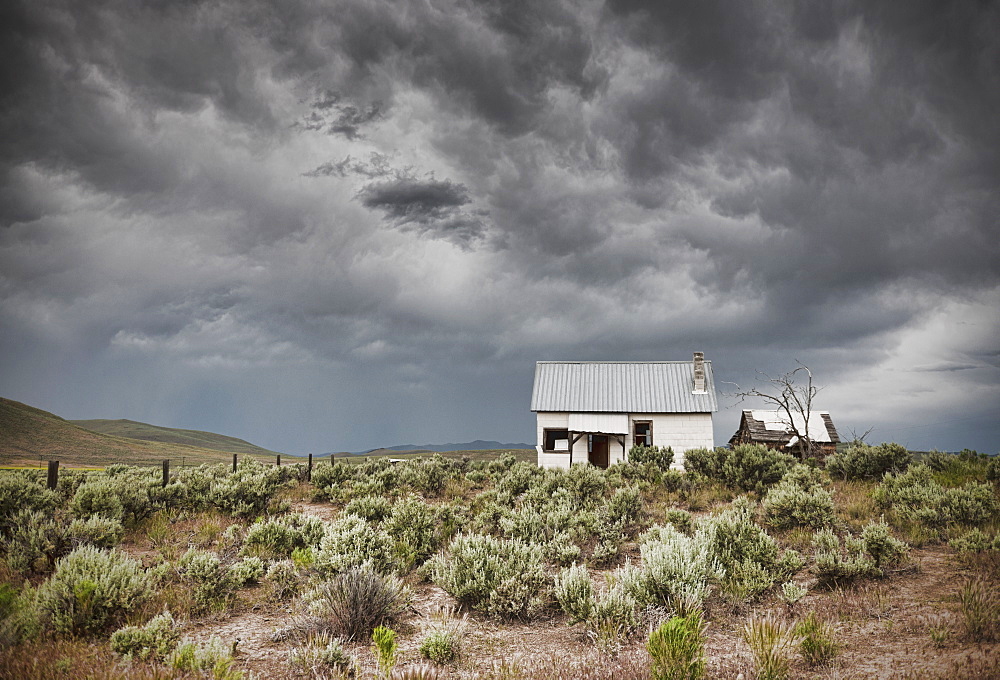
column 621, row 387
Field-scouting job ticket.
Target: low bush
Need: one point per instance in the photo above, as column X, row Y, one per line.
column 385, row 647
column 658, row 457
column 679, row 519
column 19, row 493
column 154, row 641
column 499, row 577
column 614, row 618
column 99, row 531
column 283, row 579
column 574, row 590
column 675, row 571
column 677, row 648
column 210, row 579
column 213, row 656
column 248, row 491
column 90, row 590
column 369, row 508
column 279, row 537
column 34, row 541
column 975, row 540
column 789, row 505
column 916, row 496
column 246, row 571
column 356, row 601
column 443, row 641
column 349, row 542
column 864, row 557
column 747, row 467
column 746, row 553
column 862, row 461
column 322, row 655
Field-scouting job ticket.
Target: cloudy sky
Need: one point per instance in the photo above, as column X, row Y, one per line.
column 338, row 225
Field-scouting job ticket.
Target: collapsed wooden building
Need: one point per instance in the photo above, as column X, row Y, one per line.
column 774, row 429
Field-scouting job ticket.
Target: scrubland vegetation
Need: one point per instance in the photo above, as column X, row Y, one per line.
column 748, row 561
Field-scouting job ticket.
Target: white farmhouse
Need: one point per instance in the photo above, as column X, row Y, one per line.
column 595, row 411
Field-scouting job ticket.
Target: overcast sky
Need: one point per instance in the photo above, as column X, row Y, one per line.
column 328, row 226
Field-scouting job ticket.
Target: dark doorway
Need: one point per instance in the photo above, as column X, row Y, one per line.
column 599, row 450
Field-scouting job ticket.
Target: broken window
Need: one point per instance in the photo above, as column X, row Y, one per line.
column 643, row 433
column 556, row 440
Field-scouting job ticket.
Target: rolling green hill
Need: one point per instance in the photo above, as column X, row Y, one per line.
column 29, row 434
column 170, row 435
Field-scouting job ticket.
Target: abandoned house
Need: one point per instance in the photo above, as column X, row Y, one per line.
column 595, row 411
column 772, row 429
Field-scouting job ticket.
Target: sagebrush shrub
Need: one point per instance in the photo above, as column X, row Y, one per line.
column 747, row 554
column 915, row 495
column 574, row 590
column 677, row 648
column 123, row 497
column 862, row 461
column 325, row 652
column 283, row 579
column 790, row 505
column 246, row 571
column 369, row 508
column 204, row 570
column 213, row 656
column 155, row 640
column 443, row 640
column 415, row 527
column 34, row 541
column 746, row 467
column 675, row 571
column 356, row 601
column 615, row 616
column 975, row 540
column 279, row 537
column 92, row 589
column 680, row 520
column 657, row 457
column 248, row 491
column 498, row 577
column 18, row 493
column 350, row 541
column 102, row 532
column 866, row 556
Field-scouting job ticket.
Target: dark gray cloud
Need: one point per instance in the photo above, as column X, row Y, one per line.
column 373, row 207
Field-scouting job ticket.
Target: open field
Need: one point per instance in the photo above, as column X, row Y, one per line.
column 30, row 434
column 249, row 561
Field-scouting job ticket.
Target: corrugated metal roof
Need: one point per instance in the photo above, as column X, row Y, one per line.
column 621, row 387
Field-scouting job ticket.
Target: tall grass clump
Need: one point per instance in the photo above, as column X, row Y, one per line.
column 817, row 645
column 677, row 648
column 502, row 578
column 92, row 589
column 771, row 642
column 747, row 467
column 356, row 601
column 442, row 643
column 863, row 461
column 980, row 608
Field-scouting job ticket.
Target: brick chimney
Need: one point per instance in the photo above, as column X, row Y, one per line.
column 699, row 372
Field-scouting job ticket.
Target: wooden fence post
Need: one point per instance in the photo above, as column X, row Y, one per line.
column 278, row 462
column 234, row 462
column 53, row 480
column 166, row 471
column 309, row 470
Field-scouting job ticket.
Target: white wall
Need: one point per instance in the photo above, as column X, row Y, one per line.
column 680, row 431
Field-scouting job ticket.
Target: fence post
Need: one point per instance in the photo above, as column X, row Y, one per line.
column 331, row 459
column 234, row 462
column 53, row 480
column 278, row 462
column 309, row 470
column 166, row 471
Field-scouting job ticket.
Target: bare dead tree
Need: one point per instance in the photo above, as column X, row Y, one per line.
column 792, row 393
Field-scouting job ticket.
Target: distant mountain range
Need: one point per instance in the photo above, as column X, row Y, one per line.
column 477, row 445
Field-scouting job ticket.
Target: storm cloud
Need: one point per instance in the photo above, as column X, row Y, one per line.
column 284, row 221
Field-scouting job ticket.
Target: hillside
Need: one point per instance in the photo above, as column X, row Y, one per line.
column 29, row 434
column 171, row 435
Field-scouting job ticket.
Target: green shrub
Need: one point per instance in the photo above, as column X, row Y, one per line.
column 369, row 508
column 817, row 645
column 428, row 475
column 34, row 541
column 867, row 556
column 443, row 641
column 204, row 570
column 385, row 647
column 18, row 493
column 335, row 474
column 615, row 616
column 574, row 590
column 861, row 461
column 155, row 640
column 747, row 467
column 747, row 554
column 414, row 527
column 97, row 530
column 680, row 520
column 771, row 641
column 915, row 495
column 656, row 456
column 246, row 571
column 356, row 601
column 350, row 541
column 789, row 505
column 280, row 537
column 248, row 491
column 622, row 510
column 677, row 648
column 283, row 579
column 213, row 656
column 975, row 540
column 498, row 577
column 884, row 549
column 90, row 590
